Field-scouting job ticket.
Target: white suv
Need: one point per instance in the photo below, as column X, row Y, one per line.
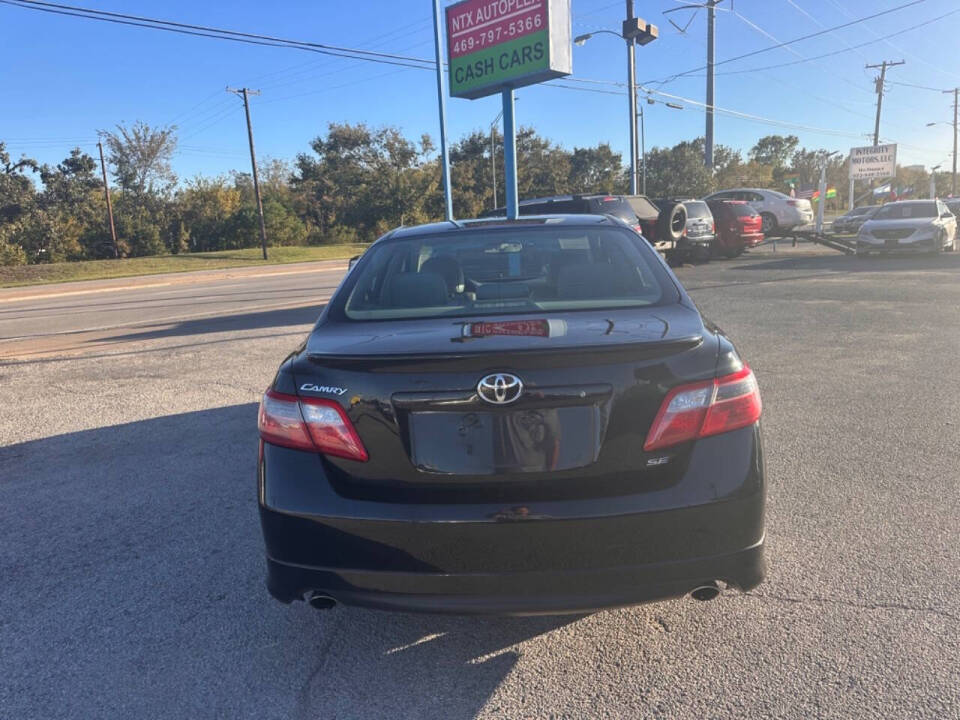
column 780, row 213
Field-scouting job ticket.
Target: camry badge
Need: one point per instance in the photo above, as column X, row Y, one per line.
column 500, row 388
column 329, row 389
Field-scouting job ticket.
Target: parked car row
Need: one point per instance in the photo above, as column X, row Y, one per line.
column 683, row 229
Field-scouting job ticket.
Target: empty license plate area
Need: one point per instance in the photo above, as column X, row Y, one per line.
column 522, row 440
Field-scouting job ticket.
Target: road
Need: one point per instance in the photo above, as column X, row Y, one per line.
column 131, row 557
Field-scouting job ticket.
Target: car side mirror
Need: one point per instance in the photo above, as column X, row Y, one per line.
column 947, row 214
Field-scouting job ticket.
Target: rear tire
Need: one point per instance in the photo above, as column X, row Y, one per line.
column 769, row 223
column 671, row 223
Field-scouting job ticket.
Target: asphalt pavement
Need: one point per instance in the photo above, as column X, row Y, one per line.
column 131, row 562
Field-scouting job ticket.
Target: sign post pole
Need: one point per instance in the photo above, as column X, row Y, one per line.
column 442, row 103
column 510, row 154
column 853, row 187
column 497, row 47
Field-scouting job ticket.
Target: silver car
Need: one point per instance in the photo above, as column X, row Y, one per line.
column 780, row 213
column 909, row 226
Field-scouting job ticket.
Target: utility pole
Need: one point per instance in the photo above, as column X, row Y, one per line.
column 643, row 151
column 106, row 190
column 245, row 93
column 953, row 183
column 880, row 80
column 711, row 59
column 493, row 164
column 442, row 107
column 632, row 97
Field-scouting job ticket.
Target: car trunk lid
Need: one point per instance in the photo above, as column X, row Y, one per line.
column 592, row 384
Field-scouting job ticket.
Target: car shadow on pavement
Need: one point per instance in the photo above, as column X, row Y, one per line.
column 258, row 320
column 133, row 585
column 852, row 264
column 393, row 665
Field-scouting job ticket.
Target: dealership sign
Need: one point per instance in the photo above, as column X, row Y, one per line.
column 497, row 44
column 873, row 162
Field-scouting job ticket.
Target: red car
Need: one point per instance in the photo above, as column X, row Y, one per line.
column 738, row 226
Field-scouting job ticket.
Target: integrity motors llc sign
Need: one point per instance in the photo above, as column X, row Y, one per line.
column 497, row 44
column 873, row 162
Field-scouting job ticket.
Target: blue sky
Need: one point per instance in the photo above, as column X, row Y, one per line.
column 64, row 78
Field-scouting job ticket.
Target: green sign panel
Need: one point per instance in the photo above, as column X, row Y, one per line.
column 498, row 44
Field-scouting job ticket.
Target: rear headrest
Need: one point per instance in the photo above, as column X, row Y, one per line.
column 503, row 291
column 593, row 280
column 422, row 289
column 565, row 258
column 449, row 269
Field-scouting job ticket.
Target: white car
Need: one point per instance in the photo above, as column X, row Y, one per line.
column 780, row 213
column 909, row 226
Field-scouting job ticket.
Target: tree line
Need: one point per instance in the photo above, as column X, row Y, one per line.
column 353, row 184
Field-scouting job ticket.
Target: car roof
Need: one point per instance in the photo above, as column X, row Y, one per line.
column 567, row 198
column 561, row 220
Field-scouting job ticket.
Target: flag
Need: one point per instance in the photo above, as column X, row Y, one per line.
column 831, row 192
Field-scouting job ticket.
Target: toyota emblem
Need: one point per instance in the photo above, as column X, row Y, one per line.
column 500, row 388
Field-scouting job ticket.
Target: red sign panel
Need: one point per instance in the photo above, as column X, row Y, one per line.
column 527, row 328
column 480, row 24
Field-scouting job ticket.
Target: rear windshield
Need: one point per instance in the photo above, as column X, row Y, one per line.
column 906, row 211
column 644, row 209
column 742, row 209
column 554, row 207
column 857, row 212
column 504, row 271
column 697, row 209
column 616, row 206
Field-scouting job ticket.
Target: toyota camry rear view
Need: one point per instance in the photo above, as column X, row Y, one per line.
column 523, row 416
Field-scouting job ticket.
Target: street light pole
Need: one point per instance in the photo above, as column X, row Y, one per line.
column 643, row 150
column 632, row 101
column 493, row 165
column 953, row 182
column 711, row 59
column 823, row 190
column 635, row 31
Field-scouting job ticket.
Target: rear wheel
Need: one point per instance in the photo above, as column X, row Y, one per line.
column 769, row 222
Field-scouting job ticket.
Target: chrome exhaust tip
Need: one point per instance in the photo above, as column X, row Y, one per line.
column 318, row 601
column 705, row 592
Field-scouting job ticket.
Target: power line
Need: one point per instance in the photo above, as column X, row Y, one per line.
column 220, row 34
column 886, row 40
column 802, row 57
column 786, row 43
column 408, row 61
column 918, row 87
column 840, row 52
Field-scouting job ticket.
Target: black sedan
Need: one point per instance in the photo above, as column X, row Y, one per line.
column 852, row 221
column 499, row 416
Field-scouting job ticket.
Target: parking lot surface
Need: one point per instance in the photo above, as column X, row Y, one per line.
column 131, row 557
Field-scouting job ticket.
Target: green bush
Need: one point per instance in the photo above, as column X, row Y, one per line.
column 12, row 254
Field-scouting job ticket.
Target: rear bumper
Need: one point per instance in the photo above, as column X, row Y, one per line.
column 527, row 593
column 539, row 557
column 898, row 247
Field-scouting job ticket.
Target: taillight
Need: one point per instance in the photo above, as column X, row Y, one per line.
column 706, row 408
column 638, row 228
column 308, row 424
